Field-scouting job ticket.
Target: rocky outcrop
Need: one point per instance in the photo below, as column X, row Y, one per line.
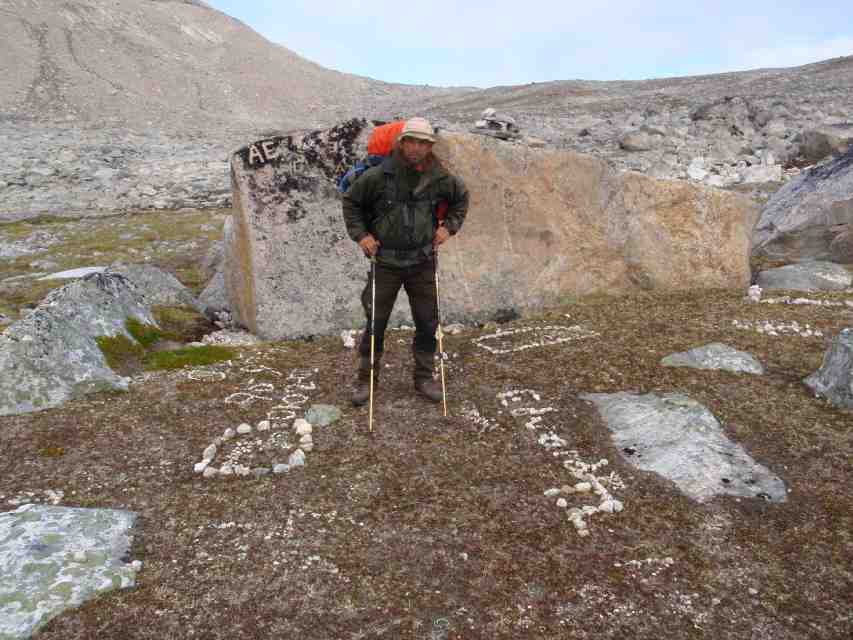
column 806, row 276
column 543, row 225
column 811, row 217
column 52, row 356
column 834, row 379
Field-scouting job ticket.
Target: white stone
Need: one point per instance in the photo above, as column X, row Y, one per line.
column 561, row 502
column 348, row 337
column 280, row 468
column 200, row 467
column 242, row 470
column 583, row 487
column 297, row 458
column 229, row 433
column 136, row 565
column 306, row 439
column 583, row 533
column 73, row 273
column 307, row 447
column 209, row 453
column 244, row 428
column 302, row 427
column 210, row 472
column 226, row 470
column 550, row 493
column 754, row 293
column 264, row 425
column 610, row 506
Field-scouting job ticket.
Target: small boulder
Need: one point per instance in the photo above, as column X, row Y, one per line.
column 834, row 379
column 806, row 276
column 715, row 356
column 640, row 140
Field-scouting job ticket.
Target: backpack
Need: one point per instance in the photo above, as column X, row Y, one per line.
column 379, row 145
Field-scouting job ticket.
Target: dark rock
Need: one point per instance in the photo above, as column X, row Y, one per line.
column 834, row 379
column 803, row 220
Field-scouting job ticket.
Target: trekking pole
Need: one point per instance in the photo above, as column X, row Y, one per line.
column 372, row 335
column 440, row 335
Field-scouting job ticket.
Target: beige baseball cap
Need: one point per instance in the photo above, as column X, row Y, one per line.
column 419, row 128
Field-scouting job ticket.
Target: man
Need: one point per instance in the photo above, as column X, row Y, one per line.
column 392, row 212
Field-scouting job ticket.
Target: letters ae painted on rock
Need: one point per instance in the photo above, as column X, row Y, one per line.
column 278, row 151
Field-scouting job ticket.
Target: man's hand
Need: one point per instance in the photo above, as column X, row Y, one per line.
column 369, row 245
column 440, row 237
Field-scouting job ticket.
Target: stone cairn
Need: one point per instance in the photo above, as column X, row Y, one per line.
column 497, row 125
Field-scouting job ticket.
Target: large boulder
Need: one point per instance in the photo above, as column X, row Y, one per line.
column 811, row 217
column 834, row 379
column 543, row 225
column 832, row 139
column 52, row 355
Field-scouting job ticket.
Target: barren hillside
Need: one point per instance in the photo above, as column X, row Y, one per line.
column 167, row 64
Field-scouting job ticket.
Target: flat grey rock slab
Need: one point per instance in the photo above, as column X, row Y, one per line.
column 57, row 558
column 71, row 274
column 715, row 355
column 807, row 276
column 834, row 379
column 681, row 440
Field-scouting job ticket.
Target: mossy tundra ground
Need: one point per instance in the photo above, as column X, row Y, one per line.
column 433, row 527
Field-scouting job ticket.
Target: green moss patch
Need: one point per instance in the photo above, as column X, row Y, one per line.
column 181, row 323
column 189, row 357
column 145, row 334
column 123, row 355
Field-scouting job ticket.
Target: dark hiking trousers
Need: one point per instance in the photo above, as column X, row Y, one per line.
column 419, row 283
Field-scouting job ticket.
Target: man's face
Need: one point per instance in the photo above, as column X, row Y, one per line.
column 415, row 150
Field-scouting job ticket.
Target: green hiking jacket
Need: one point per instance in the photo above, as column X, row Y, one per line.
column 397, row 205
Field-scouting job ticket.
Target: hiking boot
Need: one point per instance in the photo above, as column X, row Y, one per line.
column 361, row 388
column 429, row 389
column 424, row 384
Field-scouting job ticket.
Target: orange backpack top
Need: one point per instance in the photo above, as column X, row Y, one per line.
column 382, row 138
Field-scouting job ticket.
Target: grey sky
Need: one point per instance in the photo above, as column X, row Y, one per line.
column 479, row 43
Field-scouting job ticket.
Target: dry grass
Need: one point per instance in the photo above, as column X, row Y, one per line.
column 436, row 528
